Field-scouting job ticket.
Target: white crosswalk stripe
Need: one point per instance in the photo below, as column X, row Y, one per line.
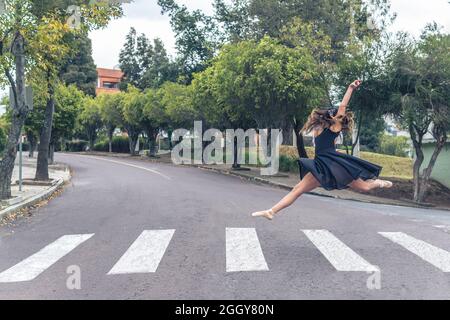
column 34, row 265
column 434, row 255
column 337, row 253
column 145, row 254
column 243, row 251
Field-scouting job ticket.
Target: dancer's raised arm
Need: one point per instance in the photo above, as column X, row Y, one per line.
column 347, row 97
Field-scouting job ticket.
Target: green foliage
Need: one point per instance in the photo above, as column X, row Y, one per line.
column 177, row 101
column 68, row 104
column 111, row 110
column 371, row 132
column 264, row 79
column 78, row 67
column 119, row 145
column 196, row 36
column 145, row 65
column 76, row 146
column 394, row 146
column 3, row 134
column 89, row 120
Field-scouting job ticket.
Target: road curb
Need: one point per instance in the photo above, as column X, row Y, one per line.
column 33, row 200
column 289, row 188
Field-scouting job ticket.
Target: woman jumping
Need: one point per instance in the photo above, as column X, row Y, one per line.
column 331, row 169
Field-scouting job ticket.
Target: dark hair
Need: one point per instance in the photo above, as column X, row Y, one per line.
column 325, row 118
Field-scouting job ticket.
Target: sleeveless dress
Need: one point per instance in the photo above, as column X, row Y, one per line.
column 335, row 170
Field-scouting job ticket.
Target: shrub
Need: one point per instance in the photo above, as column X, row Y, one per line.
column 288, row 164
column 394, row 146
column 76, row 146
column 119, row 145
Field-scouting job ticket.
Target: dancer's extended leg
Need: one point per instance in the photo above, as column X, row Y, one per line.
column 366, row 186
column 308, row 184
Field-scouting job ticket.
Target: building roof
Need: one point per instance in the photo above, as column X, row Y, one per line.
column 110, row 73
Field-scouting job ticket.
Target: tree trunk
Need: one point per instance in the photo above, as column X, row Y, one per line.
column 32, row 143
column 356, row 135
column 287, row 133
column 133, row 137
column 417, row 143
column 92, row 136
column 424, row 184
column 300, row 141
column 236, row 165
column 51, row 154
column 169, row 134
column 46, row 135
column 110, row 137
column 19, row 115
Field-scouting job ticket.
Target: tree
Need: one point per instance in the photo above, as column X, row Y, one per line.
column 111, row 113
column 154, row 118
column 16, row 26
column 54, row 44
column 196, row 34
column 132, row 109
column 145, row 65
column 420, row 72
column 268, row 80
column 22, row 34
column 161, row 69
column 78, row 66
column 89, row 120
column 68, row 104
column 177, row 102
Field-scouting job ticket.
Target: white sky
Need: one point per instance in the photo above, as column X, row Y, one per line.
column 145, row 17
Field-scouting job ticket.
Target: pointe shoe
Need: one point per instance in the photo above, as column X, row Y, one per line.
column 268, row 214
column 384, row 184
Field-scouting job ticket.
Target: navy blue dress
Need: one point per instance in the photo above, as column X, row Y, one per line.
column 336, row 170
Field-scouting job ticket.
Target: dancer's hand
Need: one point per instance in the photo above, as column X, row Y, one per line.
column 356, row 84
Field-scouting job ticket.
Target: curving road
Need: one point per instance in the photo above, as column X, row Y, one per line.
column 129, row 229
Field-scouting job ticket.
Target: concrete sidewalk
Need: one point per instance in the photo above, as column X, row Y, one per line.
column 31, row 194
column 285, row 180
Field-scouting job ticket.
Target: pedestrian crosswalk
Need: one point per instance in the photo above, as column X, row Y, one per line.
column 433, row 255
column 145, row 253
column 33, row 266
column 338, row 254
column 243, row 253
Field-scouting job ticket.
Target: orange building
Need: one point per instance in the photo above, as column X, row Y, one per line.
column 108, row 80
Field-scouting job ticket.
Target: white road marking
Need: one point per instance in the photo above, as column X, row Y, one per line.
column 434, row 255
column 337, row 253
column 243, row 251
column 34, row 265
column 131, row 165
column 145, row 254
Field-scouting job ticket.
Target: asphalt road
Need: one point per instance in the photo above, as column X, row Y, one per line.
column 137, row 230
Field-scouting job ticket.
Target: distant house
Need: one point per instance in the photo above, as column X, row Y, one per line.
column 108, row 80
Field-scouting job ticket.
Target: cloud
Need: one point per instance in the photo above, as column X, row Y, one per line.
column 414, row 15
